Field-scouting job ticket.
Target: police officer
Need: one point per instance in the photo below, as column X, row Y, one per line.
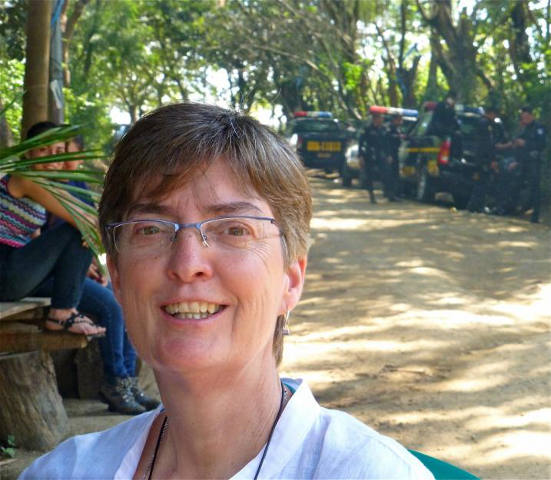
column 528, row 147
column 444, row 123
column 486, row 136
column 530, row 144
column 444, row 120
column 391, row 179
column 372, row 147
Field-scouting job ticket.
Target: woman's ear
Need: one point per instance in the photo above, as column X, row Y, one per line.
column 295, row 273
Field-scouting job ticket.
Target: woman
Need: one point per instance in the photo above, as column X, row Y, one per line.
column 205, row 217
column 119, row 388
column 23, row 265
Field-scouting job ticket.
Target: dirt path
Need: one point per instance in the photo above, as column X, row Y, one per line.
column 430, row 325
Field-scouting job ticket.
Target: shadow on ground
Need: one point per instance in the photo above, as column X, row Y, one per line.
column 431, row 325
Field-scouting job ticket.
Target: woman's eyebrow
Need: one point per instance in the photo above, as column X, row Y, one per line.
column 149, row 208
column 233, row 208
column 218, row 209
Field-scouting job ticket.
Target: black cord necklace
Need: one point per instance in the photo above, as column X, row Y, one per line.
column 164, row 427
column 281, row 403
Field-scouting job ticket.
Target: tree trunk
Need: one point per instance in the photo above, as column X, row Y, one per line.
column 6, row 137
column 32, row 410
column 68, row 28
column 458, row 61
column 408, row 76
column 431, row 89
column 35, row 99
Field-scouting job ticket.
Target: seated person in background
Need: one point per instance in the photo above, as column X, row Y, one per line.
column 205, row 217
column 444, row 120
column 444, row 123
column 23, row 265
column 120, row 389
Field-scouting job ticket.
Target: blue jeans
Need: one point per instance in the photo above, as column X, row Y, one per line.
column 57, row 255
column 117, row 353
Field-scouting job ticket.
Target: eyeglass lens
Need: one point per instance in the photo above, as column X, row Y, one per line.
column 232, row 232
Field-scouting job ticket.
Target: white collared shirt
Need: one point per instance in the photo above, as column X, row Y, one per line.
column 308, row 442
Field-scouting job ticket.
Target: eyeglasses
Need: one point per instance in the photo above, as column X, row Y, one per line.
column 155, row 235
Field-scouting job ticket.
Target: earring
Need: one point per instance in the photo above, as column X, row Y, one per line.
column 286, row 330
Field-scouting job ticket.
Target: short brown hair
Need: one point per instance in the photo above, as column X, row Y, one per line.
column 163, row 150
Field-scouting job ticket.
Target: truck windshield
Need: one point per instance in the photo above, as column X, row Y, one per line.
column 468, row 124
column 315, row 125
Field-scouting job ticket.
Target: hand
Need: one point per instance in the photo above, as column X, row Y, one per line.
column 519, row 142
column 95, row 274
column 512, row 166
column 494, row 166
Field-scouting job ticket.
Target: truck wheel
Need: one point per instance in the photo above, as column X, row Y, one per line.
column 407, row 188
column 425, row 191
column 460, row 201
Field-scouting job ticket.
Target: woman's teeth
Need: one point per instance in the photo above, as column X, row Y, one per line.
column 195, row 310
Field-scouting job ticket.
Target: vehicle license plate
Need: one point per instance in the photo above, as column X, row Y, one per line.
column 315, row 146
column 432, row 167
column 408, row 171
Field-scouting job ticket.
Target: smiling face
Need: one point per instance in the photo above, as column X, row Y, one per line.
column 45, row 151
column 194, row 308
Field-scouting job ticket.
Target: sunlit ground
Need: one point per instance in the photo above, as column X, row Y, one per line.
column 432, row 326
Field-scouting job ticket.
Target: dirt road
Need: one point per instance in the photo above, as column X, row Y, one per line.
column 430, row 325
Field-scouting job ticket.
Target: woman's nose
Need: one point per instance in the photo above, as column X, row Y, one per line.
column 190, row 258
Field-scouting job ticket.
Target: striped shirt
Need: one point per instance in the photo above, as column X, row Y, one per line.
column 19, row 217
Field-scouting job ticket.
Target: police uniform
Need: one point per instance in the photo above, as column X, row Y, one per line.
column 372, row 146
column 444, row 121
column 530, row 157
column 484, row 156
column 391, row 177
column 443, row 124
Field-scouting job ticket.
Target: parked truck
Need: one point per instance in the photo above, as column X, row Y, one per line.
column 319, row 140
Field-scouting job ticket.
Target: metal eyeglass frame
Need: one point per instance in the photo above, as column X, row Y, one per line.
column 197, row 225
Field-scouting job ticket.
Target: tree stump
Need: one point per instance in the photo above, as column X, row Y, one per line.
column 89, row 371
column 31, row 408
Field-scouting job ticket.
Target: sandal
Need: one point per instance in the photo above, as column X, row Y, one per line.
column 75, row 319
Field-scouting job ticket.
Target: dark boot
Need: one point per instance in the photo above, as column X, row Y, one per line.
column 119, row 397
column 149, row 403
column 372, row 197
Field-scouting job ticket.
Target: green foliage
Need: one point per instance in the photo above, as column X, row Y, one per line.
column 296, row 54
column 13, row 161
column 13, row 15
column 8, row 450
column 93, row 116
column 11, row 89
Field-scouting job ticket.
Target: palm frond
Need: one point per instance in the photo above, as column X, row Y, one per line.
column 12, row 161
column 54, row 135
column 85, row 215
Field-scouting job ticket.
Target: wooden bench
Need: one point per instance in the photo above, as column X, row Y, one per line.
column 20, row 328
column 32, row 409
